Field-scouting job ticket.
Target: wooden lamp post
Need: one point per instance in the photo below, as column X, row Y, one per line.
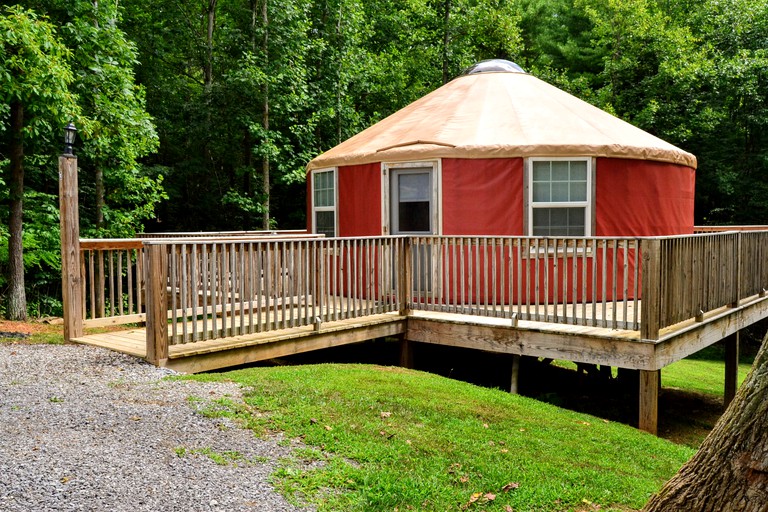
column 71, row 280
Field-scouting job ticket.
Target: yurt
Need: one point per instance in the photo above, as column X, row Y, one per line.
column 497, row 151
column 500, row 152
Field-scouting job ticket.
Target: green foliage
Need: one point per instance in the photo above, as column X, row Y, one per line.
column 81, row 70
column 173, row 116
column 34, row 70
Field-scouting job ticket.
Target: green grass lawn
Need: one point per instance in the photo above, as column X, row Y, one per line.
column 395, row 439
column 700, row 376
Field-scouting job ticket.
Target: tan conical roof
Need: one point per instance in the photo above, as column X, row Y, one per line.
column 499, row 115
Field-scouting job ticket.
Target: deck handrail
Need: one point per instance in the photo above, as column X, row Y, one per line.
column 228, row 288
column 696, row 274
column 567, row 280
column 720, row 229
column 226, row 234
column 112, row 277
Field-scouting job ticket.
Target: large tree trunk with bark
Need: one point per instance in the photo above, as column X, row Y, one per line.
column 17, row 299
column 730, row 470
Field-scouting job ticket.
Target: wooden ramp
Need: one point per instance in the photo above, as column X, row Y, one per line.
column 248, row 348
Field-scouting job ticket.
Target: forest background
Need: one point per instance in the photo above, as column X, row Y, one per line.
column 202, row 114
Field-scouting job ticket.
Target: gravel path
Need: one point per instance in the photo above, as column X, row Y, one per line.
column 82, row 428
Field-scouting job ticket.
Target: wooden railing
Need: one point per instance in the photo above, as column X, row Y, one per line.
column 753, row 258
column 197, row 289
column 284, row 233
column 216, row 289
column 579, row 281
column 721, row 229
column 689, row 276
column 112, row 273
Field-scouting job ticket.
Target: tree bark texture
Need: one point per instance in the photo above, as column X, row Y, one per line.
column 17, row 299
column 730, row 470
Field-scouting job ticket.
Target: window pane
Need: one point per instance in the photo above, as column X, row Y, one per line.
column 413, row 187
column 324, row 193
column 576, row 222
column 578, row 170
column 414, row 217
column 558, row 221
column 325, row 223
column 579, row 191
column 560, row 191
column 558, row 217
column 541, row 192
column 541, row 221
column 560, row 170
column 541, row 171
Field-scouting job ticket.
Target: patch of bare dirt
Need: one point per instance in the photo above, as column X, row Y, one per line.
column 30, row 332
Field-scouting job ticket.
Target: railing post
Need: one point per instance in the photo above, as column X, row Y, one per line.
column 157, row 304
column 405, row 280
column 71, row 278
column 650, row 322
column 737, row 270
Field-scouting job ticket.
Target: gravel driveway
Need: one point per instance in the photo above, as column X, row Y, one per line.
column 83, row 428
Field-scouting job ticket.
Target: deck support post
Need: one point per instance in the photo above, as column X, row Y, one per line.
column 157, row 304
column 406, row 352
column 731, row 367
column 71, row 277
column 515, row 378
column 649, row 400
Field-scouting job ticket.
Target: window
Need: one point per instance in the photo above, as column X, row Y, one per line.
column 324, row 202
column 559, row 197
column 412, row 200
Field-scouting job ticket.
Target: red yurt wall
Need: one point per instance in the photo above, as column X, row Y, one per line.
column 643, row 198
column 483, row 196
column 359, row 207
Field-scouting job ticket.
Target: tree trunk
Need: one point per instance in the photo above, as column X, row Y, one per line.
column 446, row 39
column 211, row 23
column 265, row 118
column 730, row 470
column 98, row 177
column 99, row 180
column 17, row 299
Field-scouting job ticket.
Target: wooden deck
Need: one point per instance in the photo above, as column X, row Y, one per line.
column 579, row 343
column 633, row 303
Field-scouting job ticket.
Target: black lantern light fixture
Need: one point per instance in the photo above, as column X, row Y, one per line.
column 70, row 132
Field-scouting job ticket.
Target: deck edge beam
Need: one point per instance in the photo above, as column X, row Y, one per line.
column 506, row 340
column 260, row 352
column 675, row 348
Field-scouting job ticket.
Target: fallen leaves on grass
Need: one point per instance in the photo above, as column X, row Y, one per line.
column 478, row 498
column 510, row 486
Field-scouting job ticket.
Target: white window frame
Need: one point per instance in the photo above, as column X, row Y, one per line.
column 436, row 197
column 334, row 208
column 588, row 205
